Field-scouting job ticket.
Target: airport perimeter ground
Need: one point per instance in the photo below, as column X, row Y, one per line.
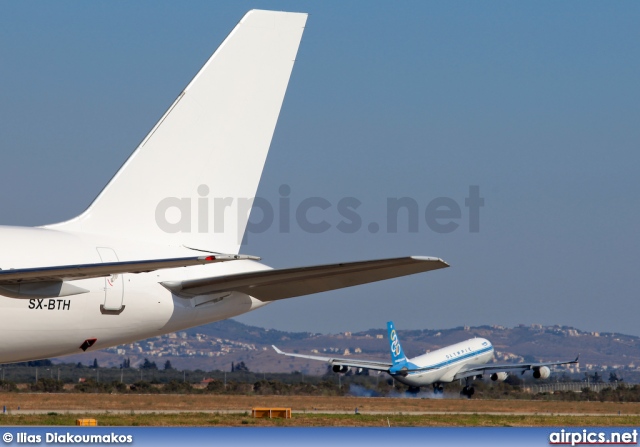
column 207, row 410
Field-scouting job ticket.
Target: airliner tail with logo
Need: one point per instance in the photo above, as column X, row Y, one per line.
column 466, row 360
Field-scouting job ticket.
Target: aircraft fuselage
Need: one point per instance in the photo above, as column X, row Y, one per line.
column 443, row 364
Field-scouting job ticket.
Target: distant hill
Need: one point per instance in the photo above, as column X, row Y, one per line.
column 234, row 330
column 217, row 345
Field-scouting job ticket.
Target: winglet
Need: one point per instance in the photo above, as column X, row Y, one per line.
column 277, row 350
column 431, row 259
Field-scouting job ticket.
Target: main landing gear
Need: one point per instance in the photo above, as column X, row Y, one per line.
column 413, row 390
column 438, row 388
column 468, row 389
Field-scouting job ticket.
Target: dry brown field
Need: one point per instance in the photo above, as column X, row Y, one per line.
column 77, row 402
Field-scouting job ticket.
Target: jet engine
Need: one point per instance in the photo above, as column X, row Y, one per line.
column 541, row 373
column 340, row 368
column 499, row 376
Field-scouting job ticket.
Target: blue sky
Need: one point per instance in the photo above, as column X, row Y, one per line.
column 537, row 103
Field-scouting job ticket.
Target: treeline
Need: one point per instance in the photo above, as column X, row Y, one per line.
column 484, row 389
column 618, row 392
column 146, row 371
column 261, row 387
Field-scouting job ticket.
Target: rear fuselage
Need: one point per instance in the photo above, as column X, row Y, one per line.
column 35, row 327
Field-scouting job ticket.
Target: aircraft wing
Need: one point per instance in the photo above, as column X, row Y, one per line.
column 271, row 285
column 368, row 364
column 84, row 271
column 474, row 370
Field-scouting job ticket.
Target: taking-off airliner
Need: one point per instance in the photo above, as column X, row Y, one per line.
column 466, row 360
column 157, row 250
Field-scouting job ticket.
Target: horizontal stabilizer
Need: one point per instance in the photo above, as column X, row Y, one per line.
column 84, row 271
column 271, row 285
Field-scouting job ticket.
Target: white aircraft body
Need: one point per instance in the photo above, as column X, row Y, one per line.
column 467, row 360
column 157, row 250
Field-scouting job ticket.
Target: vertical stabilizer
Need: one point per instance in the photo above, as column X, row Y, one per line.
column 192, row 179
column 397, row 354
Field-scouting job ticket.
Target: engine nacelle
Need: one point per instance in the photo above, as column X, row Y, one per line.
column 499, row 376
column 541, row 373
column 340, row 369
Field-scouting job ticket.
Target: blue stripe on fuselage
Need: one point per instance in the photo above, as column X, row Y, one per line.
column 446, row 362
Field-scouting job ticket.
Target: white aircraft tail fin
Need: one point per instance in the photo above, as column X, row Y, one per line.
column 192, row 179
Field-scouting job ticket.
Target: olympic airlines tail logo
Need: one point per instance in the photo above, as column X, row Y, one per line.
column 395, row 345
